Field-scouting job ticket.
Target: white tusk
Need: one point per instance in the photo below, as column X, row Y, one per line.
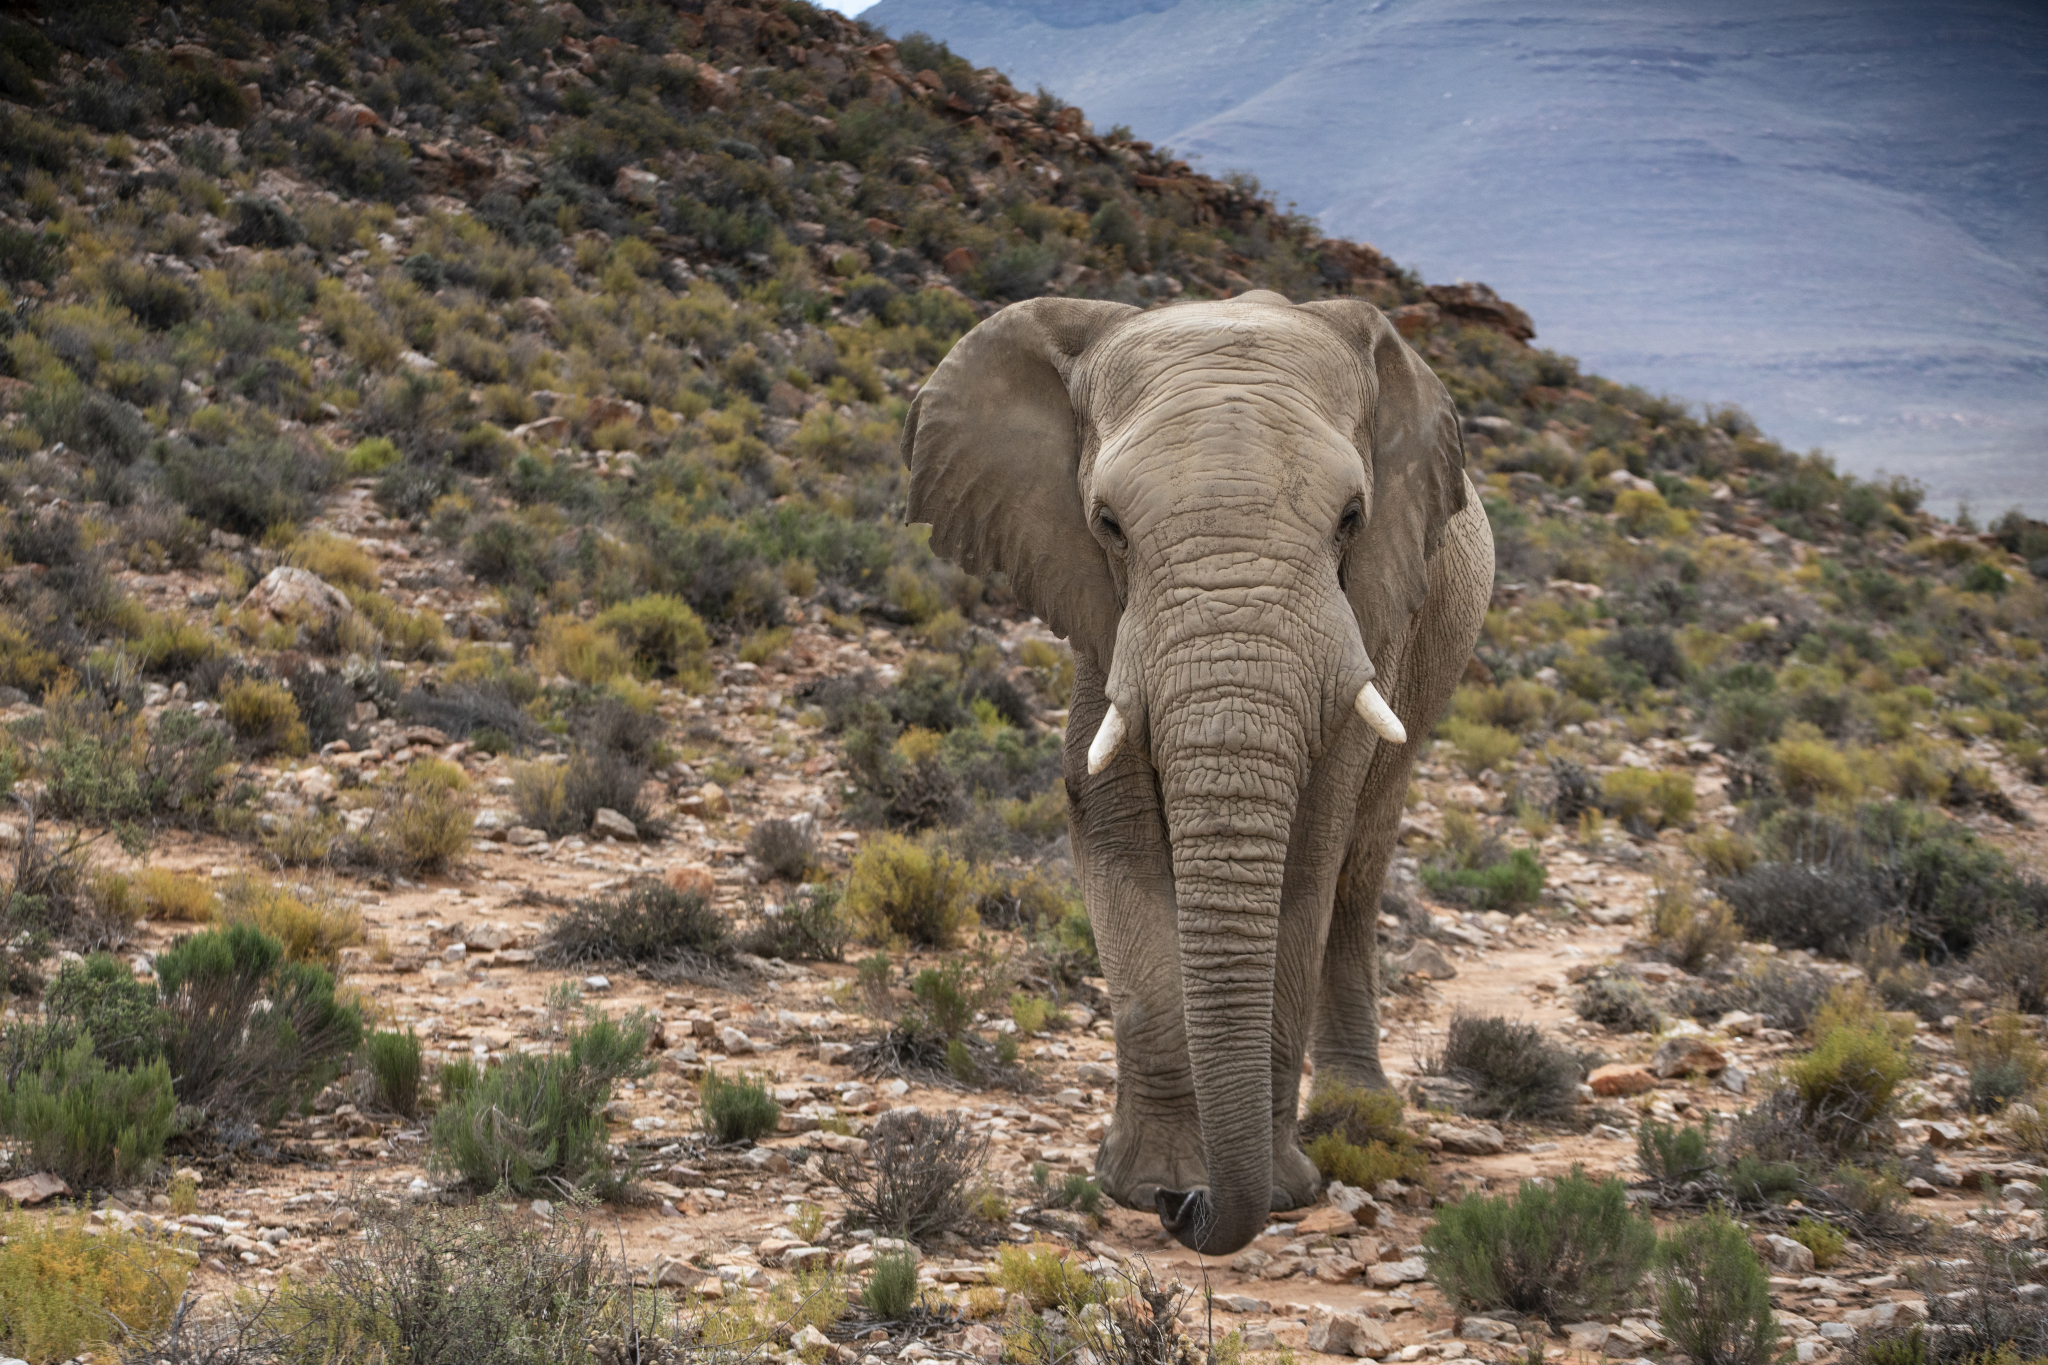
column 1106, row 739
column 1378, row 715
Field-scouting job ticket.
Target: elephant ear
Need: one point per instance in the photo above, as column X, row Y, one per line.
column 994, row 450
column 1415, row 460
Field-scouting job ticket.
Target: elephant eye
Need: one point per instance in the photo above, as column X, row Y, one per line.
column 1350, row 522
column 1110, row 528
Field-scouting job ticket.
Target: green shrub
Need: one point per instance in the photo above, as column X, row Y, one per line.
column 661, row 632
column 264, row 715
column 371, row 455
column 100, row 997
column 737, row 1111
column 1824, row 1240
column 1617, row 1002
column 1642, row 799
column 1675, row 1154
column 1478, row 747
column 647, row 921
column 1847, row 1085
column 807, row 927
column 394, row 1060
column 1046, row 1276
column 1564, row 1250
column 247, row 486
column 93, row 1125
column 891, row 1291
column 67, row 1286
column 901, row 891
column 533, row 1123
column 1473, row 866
column 1355, row 1135
column 1514, row 1071
column 423, row 830
column 111, row 770
column 233, row 1061
column 1713, row 1296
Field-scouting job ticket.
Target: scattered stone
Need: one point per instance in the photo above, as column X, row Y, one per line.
column 524, row 836
column 1440, row 1092
column 1687, row 1056
column 597, row 983
column 1478, row 1139
column 981, row 1342
column 1362, row 1207
column 1841, row 1333
column 1792, row 1257
column 1347, row 1334
column 34, row 1189
column 1393, row 1274
column 1424, row 959
column 1240, row 1303
column 608, row 822
column 1489, row 1329
column 1618, row 1079
column 1734, row 1080
column 298, row 595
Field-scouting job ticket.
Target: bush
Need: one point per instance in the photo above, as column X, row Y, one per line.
column 1808, row 769
column 737, row 1111
column 233, row 1061
column 1478, row 747
column 1514, row 1072
column 911, row 1179
column 1046, row 1276
column 1974, row 1313
column 1617, row 1002
column 1564, row 1250
column 98, row 997
column 338, row 559
column 1687, row 934
column 1847, row 1084
column 661, row 633
column 93, row 1125
column 372, row 455
column 177, row 896
column 1673, row 1155
column 806, row 927
column 314, row 931
column 1824, row 1240
column 562, row 799
column 394, row 1060
column 902, row 891
column 647, row 922
column 2004, row 1062
column 247, row 486
column 784, row 847
column 66, row 1285
column 264, row 715
column 1644, row 800
column 1713, row 1296
column 579, row 651
column 109, row 770
column 424, row 829
column 1473, row 866
column 1356, row 1135
column 533, row 1123
column 891, row 1291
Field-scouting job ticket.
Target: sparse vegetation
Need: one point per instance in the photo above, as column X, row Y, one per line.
column 1514, row 1071
column 647, row 922
column 1356, row 1135
column 739, row 1110
column 901, row 891
column 913, row 1178
column 1562, row 1250
column 1713, row 1296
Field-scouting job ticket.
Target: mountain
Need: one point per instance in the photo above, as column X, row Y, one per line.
column 1835, row 216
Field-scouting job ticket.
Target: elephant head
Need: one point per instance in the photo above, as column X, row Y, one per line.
column 1228, row 508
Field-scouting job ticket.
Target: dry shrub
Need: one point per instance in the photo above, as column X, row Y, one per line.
column 902, row 891
column 67, row 1287
column 648, row 923
column 2003, row 1060
column 1356, row 1135
column 264, row 715
column 338, row 559
column 1975, row 1312
column 311, row 927
column 1686, row 932
column 166, row 895
column 911, row 1179
column 662, row 633
column 785, row 847
column 579, row 651
column 1513, row 1070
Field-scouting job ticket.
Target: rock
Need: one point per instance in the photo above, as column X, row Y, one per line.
column 1739, row 1024
column 1920, row 1189
column 668, row 1274
column 692, row 878
column 1947, row 1134
column 1251, row 1262
column 1337, row 1269
column 1095, row 1073
column 597, row 983
column 982, row 1343
column 716, row 803
column 810, row 1339
column 524, row 836
column 1240, row 1303
column 1734, row 1080
column 735, row 1042
column 488, row 938
column 1326, row 1222
column 609, row 822
column 767, row 1159
column 1619, row 1079
column 1478, row 1139
column 1789, row 1256
column 1841, row 1333
column 636, row 185
column 1439, row 1092
column 300, row 596
column 1362, row 1207
column 1424, row 959
column 1392, row 1274
column 34, row 1189
column 1489, row 1329
column 1587, row 1336
column 493, row 823
column 1687, row 1056
column 1347, row 1334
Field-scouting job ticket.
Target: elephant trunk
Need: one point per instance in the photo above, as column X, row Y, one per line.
column 1231, row 761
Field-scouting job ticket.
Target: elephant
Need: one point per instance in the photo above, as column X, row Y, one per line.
column 1251, row 521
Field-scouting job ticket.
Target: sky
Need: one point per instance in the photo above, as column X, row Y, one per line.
column 846, row 6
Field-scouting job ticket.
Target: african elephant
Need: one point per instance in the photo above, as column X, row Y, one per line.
column 1251, row 520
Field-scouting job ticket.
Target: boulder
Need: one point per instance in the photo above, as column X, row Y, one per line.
column 1439, row 1092
column 1393, row 1274
column 34, row 1189
column 1347, row 1334
column 1477, row 1139
column 1424, row 959
column 300, row 596
column 982, row 1342
column 1793, row 1258
column 1687, row 1056
column 1489, row 1329
column 1362, row 1207
column 609, row 822
column 1587, row 1336
column 1617, row 1079
column 1734, row 1080
column 524, row 836
column 716, row 803
column 1240, row 1303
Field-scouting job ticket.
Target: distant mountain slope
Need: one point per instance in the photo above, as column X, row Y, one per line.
column 1835, row 215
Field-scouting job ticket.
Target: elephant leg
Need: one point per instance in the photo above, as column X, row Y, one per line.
column 1121, row 856
column 1426, row 671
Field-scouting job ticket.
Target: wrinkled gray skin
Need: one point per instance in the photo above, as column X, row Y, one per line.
column 1238, row 513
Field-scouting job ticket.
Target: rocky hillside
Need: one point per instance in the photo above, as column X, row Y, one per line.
column 455, row 592
column 1585, row 161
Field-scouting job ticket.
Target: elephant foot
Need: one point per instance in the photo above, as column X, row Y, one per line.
column 1137, row 1160
column 1296, row 1181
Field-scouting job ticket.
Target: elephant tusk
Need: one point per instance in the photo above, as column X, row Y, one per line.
column 1106, row 739
column 1380, row 716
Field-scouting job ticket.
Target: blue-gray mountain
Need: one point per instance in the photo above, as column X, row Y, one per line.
column 1832, row 212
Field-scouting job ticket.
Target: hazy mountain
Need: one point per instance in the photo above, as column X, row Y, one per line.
column 1834, row 214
